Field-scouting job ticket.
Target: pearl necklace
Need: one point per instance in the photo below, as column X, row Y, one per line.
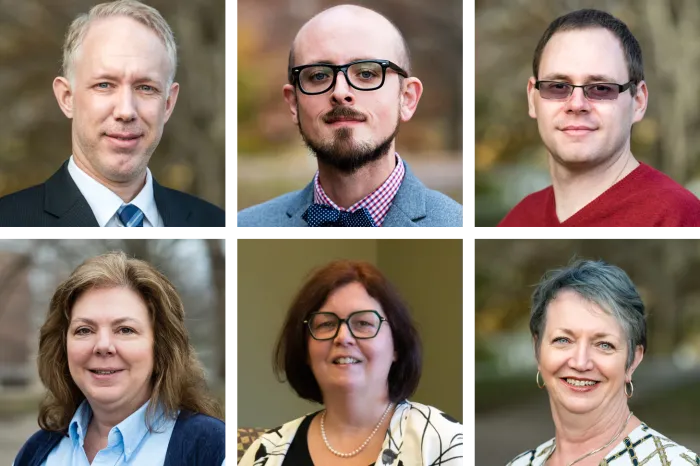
column 361, row 447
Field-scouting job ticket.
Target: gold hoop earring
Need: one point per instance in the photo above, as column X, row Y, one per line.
column 537, row 379
column 629, row 395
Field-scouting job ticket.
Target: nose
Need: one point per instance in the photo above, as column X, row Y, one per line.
column 342, row 91
column 578, row 102
column 344, row 336
column 580, row 360
column 125, row 105
column 104, row 345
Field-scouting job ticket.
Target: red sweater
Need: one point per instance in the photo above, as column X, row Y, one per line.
column 644, row 198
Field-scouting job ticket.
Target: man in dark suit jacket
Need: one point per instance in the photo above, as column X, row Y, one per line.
column 118, row 88
column 350, row 87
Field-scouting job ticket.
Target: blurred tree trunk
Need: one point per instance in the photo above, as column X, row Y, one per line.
column 215, row 248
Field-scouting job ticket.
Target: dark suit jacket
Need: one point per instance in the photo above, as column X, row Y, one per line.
column 59, row 203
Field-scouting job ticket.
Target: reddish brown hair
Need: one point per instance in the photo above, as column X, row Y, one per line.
column 291, row 351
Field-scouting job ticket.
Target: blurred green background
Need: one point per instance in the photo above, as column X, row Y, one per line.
column 272, row 158
column 30, row 271
column 512, row 414
column 427, row 273
column 35, row 135
column 510, row 159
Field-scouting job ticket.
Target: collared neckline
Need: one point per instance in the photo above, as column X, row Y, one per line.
column 104, row 203
column 377, row 202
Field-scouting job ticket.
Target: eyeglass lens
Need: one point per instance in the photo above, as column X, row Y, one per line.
column 361, row 75
column 597, row 91
column 362, row 325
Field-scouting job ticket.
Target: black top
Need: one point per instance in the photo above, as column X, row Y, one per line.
column 298, row 453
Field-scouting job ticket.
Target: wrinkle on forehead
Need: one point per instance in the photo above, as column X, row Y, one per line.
column 367, row 23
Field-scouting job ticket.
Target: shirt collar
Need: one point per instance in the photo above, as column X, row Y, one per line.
column 377, row 202
column 104, row 203
column 130, row 431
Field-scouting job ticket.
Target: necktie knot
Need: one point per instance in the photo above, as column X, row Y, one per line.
column 321, row 215
column 130, row 215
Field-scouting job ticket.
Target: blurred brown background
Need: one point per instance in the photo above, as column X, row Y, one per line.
column 272, row 158
column 30, row 271
column 34, row 133
column 511, row 160
column 512, row 414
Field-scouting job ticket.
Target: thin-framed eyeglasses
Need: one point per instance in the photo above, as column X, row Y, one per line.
column 363, row 75
column 558, row 90
column 362, row 324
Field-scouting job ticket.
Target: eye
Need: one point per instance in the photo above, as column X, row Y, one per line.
column 147, row 88
column 82, row 331
column 126, row 331
column 560, row 340
column 604, row 345
column 319, row 76
column 103, row 85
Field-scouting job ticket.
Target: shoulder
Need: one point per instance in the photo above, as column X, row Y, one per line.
column 200, row 425
column 37, row 447
column 534, row 457
column 443, row 210
column 198, row 438
column 649, row 442
column 205, row 213
column 274, row 442
column 13, row 207
column 272, row 213
column 528, row 211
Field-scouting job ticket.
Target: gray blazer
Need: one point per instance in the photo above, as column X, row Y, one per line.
column 414, row 206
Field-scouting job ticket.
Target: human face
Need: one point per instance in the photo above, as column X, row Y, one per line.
column 373, row 357
column 110, row 330
column 577, row 131
column 582, row 356
column 119, row 98
column 347, row 128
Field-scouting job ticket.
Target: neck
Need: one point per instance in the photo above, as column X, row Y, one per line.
column 579, row 434
column 346, row 189
column 576, row 186
column 352, row 412
column 104, row 418
column 126, row 190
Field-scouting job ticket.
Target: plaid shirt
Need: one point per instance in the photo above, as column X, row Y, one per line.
column 376, row 202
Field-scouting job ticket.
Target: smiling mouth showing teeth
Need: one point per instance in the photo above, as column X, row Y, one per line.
column 581, row 383
column 346, row 361
column 103, row 372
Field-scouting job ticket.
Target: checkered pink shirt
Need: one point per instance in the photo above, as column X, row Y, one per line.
column 376, row 202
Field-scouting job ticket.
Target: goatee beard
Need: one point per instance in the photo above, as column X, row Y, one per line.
column 346, row 155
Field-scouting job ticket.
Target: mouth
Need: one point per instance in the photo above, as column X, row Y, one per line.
column 346, row 360
column 102, row 374
column 577, row 130
column 125, row 140
column 343, row 121
column 580, row 385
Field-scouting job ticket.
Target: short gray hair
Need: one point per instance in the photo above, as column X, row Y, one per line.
column 144, row 14
column 600, row 283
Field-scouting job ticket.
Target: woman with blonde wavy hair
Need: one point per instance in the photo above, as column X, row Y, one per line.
column 124, row 385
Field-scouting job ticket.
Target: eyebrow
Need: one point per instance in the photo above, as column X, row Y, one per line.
column 331, row 62
column 111, row 77
column 595, row 335
column 591, row 78
column 114, row 322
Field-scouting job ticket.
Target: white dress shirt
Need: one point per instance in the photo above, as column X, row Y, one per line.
column 104, row 203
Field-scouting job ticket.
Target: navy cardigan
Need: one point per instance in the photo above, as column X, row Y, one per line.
column 197, row 440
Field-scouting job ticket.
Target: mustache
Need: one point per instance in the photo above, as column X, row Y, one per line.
column 343, row 113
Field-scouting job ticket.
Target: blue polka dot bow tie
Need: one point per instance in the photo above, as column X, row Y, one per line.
column 321, row 215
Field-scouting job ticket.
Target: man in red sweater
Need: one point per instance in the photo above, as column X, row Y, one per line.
column 586, row 92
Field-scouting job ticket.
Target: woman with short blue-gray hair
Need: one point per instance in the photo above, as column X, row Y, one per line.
column 589, row 331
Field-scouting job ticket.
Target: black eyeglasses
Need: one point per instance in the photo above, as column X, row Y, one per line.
column 363, row 75
column 557, row 90
column 362, row 324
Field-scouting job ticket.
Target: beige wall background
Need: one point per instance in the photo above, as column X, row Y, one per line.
column 428, row 273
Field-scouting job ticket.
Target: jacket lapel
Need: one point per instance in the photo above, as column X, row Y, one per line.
column 63, row 199
column 298, row 206
column 409, row 204
column 172, row 215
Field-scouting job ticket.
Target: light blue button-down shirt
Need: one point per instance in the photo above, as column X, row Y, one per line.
column 128, row 443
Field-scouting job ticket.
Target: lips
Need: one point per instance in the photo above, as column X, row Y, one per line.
column 344, row 360
column 579, row 384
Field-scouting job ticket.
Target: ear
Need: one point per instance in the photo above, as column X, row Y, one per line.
column 638, row 356
column 64, row 95
column 641, row 99
column 531, row 97
column 290, row 96
column 410, row 95
column 171, row 100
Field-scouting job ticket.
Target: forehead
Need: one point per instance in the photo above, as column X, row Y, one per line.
column 584, row 52
column 109, row 303
column 571, row 311
column 350, row 298
column 121, row 45
column 343, row 38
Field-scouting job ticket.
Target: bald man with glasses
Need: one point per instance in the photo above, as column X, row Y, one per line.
column 349, row 89
column 586, row 92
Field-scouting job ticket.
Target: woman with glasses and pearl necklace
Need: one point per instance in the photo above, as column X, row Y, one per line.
column 348, row 342
column 587, row 323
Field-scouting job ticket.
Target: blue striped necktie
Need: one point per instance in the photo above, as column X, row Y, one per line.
column 130, row 215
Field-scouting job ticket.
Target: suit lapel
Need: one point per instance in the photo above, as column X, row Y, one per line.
column 409, row 204
column 172, row 215
column 63, row 199
column 298, row 206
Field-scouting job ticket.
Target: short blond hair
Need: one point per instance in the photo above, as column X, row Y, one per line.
column 144, row 14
